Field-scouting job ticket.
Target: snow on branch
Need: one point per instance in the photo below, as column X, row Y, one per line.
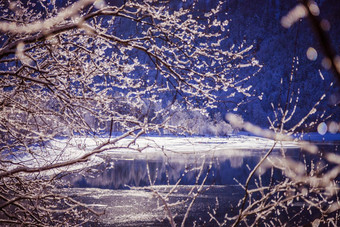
column 45, row 25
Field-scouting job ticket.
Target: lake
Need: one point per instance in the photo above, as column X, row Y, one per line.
column 203, row 174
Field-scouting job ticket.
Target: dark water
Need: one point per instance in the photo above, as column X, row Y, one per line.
column 123, row 172
column 130, row 186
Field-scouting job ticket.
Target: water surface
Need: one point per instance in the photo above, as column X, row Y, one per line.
column 130, row 186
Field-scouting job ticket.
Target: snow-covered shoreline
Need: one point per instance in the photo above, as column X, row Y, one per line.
column 154, row 147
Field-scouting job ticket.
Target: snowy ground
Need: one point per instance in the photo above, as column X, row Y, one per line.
column 177, row 147
column 154, row 146
column 227, row 145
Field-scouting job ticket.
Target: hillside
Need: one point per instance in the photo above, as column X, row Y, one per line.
column 258, row 22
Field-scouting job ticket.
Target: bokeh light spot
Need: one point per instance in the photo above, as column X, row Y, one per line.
column 98, row 4
column 312, row 54
column 322, row 128
column 333, row 127
column 314, row 8
column 326, row 63
column 325, row 25
column 337, row 63
column 294, row 15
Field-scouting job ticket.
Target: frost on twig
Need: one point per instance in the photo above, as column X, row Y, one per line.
column 43, row 25
column 71, row 75
column 313, row 183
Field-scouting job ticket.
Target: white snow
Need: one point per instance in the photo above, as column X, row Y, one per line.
column 150, row 147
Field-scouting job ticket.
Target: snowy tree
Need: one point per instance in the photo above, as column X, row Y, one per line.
column 90, row 68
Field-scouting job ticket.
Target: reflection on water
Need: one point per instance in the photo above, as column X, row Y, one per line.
column 124, row 171
column 140, row 205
